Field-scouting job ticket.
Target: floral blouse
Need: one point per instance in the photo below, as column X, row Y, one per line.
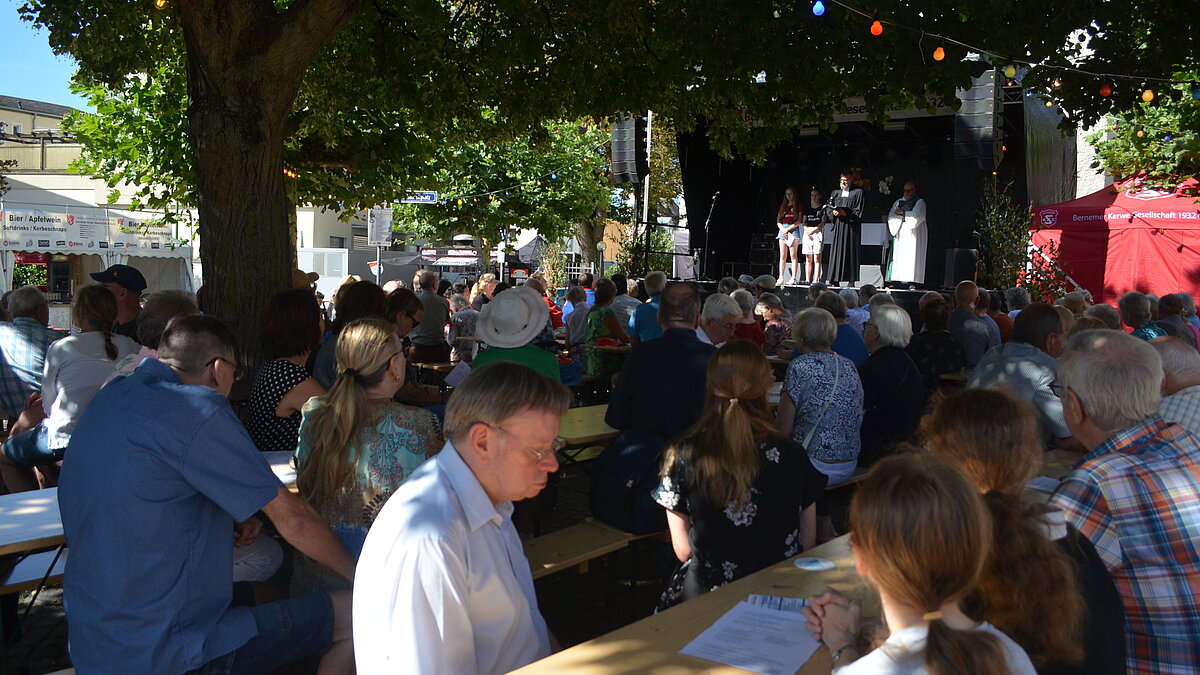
column 775, row 332
column 729, row 542
column 385, row 455
column 810, row 383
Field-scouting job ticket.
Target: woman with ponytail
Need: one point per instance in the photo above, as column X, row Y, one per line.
column 76, row 367
column 921, row 535
column 357, row 445
column 1039, row 566
column 739, row 496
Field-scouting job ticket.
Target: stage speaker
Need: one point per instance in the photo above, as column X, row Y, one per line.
column 762, row 257
column 961, row 264
column 630, row 162
column 979, row 123
column 758, row 269
column 763, row 245
column 734, row 269
column 795, row 298
column 870, row 274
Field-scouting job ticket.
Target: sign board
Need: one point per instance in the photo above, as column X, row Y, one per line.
column 379, row 227
column 44, row 231
column 447, row 256
column 420, row 197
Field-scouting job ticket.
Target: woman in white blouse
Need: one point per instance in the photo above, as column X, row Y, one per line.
column 76, row 368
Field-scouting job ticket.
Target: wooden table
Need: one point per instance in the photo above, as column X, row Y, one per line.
column 30, row 521
column 773, row 394
column 585, row 426
column 1058, row 463
column 281, row 466
column 652, row 645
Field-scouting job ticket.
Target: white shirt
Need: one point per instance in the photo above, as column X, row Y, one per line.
column 705, row 339
column 443, row 585
column 76, row 368
column 623, row 305
column 576, row 323
column 889, row 657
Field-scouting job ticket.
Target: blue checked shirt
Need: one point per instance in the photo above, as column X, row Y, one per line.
column 1137, row 498
column 23, row 345
column 1183, row 408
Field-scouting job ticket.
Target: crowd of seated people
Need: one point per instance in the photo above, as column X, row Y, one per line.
column 404, row 553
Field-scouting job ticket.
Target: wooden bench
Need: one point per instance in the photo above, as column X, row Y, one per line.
column 27, row 574
column 574, row 546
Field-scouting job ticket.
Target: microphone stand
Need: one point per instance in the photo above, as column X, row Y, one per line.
column 704, row 261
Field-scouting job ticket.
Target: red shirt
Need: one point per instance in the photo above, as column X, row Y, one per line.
column 556, row 319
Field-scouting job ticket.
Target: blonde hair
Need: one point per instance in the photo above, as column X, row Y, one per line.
column 95, row 309
column 480, row 284
column 365, row 348
column 722, row 447
column 924, row 534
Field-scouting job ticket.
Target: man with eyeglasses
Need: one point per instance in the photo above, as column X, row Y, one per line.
column 719, row 319
column 162, row 483
column 443, row 585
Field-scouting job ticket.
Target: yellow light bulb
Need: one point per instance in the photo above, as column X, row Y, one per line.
column 1010, row 71
column 160, row 4
column 1148, row 95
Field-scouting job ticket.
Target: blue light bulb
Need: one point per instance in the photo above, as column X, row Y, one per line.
column 1167, row 138
column 554, row 176
column 818, row 8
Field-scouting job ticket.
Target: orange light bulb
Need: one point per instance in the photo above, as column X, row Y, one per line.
column 939, row 54
column 876, row 28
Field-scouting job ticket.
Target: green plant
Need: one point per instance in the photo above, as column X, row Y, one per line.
column 632, row 254
column 1008, row 256
column 554, row 264
column 29, row 275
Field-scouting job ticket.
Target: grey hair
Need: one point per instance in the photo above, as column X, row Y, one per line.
column 1106, row 313
column 458, row 301
column 427, row 279
column 26, row 301
column 815, row 327
column 1117, row 377
column 880, row 299
column 768, row 301
column 576, row 294
column 1179, row 359
column 728, row 285
column 718, row 306
column 631, row 287
column 656, row 282
column 1017, row 298
column 160, row 308
column 494, row 393
column 745, row 300
column 894, row 325
column 850, row 297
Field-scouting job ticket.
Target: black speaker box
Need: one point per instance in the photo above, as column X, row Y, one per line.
column 961, row 264
column 762, row 257
column 758, row 269
column 734, row 269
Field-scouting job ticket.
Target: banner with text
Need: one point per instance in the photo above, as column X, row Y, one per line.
column 44, row 231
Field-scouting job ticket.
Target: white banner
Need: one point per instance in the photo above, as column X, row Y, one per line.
column 379, row 227
column 43, row 231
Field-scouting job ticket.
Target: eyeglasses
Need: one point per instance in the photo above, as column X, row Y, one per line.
column 238, row 373
column 539, row 455
column 1061, row 390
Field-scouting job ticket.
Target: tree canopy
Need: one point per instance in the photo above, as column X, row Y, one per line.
column 351, row 94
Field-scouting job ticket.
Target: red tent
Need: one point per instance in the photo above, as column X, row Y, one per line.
column 1118, row 240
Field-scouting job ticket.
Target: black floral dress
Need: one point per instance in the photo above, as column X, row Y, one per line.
column 729, row 543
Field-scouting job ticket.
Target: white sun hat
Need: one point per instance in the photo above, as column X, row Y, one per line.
column 513, row 318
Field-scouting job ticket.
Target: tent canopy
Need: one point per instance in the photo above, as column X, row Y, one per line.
column 1125, row 238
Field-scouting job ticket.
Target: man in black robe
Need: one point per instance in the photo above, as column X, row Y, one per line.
column 847, row 202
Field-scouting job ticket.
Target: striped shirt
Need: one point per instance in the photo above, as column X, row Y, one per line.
column 1137, row 498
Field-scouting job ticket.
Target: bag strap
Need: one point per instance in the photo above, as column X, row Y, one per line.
column 837, row 374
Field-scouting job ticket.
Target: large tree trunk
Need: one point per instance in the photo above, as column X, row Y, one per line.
column 245, row 63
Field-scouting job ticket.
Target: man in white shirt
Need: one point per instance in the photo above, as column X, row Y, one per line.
column 443, row 585
column 719, row 319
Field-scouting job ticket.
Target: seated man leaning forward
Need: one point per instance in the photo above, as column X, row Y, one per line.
column 443, row 584
column 162, row 484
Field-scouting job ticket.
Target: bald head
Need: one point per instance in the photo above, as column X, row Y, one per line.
column 679, row 305
column 965, row 294
column 1180, row 364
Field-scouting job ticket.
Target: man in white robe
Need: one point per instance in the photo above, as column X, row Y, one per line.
column 906, row 223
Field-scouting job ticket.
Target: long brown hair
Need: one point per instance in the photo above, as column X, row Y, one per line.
column 995, row 440
column 364, row 350
column 96, row 310
column 924, row 534
column 722, row 448
column 784, row 203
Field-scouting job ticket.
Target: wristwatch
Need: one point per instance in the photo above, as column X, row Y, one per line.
column 837, row 655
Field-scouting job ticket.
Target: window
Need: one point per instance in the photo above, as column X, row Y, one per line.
column 337, row 242
column 17, row 129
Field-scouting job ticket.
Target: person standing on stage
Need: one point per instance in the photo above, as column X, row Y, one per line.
column 847, row 202
column 787, row 220
column 906, row 222
column 813, row 239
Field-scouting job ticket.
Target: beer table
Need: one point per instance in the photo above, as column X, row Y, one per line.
column 585, row 426
column 652, row 645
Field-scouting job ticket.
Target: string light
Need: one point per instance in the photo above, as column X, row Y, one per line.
column 818, row 8
column 1010, row 71
column 1147, row 95
column 939, row 54
column 160, row 4
column 1140, row 133
column 876, row 28
column 1057, row 83
column 1105, row 90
